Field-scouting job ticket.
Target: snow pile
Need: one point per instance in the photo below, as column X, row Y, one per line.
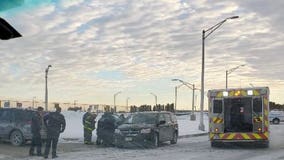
column 74, row 126
column 188, row 127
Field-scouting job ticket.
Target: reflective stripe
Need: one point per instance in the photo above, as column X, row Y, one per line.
column 217, row 120
column 90, row 129
column 256, row 92
column 87, row 122
column 245, row 136
column 211, row 136
column 231, row 136
column 256, row 136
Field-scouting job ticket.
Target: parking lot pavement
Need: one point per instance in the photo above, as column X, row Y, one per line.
column 11, row 151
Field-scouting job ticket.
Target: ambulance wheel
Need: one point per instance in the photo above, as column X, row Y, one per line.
column 216, row 144
column 263, row 144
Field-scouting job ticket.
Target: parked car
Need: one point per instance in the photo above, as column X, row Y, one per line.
column 276, row 116
column 147, row 129
column 15, row 125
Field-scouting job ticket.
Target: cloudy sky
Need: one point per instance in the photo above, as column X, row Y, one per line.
column 97, row 48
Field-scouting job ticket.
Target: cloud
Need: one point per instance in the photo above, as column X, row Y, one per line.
column 146, row 41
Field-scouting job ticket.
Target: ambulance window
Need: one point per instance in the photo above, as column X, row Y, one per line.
column 257, row 105
column 217, row 106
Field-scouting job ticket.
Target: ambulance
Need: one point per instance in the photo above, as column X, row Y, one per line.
column 239, row 115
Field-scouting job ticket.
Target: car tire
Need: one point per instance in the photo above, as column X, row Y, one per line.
column 156, row 141
column 175, row 138
column 116, row 143
column 98, row 141
column 276, row 121
column 16, row 138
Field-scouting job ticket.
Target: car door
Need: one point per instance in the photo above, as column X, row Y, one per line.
column 169, row 127
column 1, row 128
column 6, row 123
column 162, row 128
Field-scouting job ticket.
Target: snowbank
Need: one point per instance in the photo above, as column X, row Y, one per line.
column 74, row 126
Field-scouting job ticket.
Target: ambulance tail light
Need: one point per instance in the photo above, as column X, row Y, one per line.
column 216, row 130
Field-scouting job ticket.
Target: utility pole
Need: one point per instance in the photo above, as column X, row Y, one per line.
column 46, row 89
column 204, row 36
column 114, row 99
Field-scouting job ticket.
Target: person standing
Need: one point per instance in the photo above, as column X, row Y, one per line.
column 106, row 128
column 55, row 124
column 36, row 127
column 89, row 121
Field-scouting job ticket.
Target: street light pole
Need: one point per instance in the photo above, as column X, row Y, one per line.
column 204, row 36
column 175, row 98
column 192, row 86
column 34, row 102
column 114, row 98
column 156, row 98
column 230, row 71
column 127, row 103
column 46, row 89
column 176, row 87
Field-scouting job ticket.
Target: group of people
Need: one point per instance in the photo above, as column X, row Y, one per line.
column 54, row 123
column 106, row 127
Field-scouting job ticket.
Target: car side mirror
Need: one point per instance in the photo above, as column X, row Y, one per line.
column 162, row 122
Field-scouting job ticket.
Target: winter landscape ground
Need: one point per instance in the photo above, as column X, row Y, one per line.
column 74, row 131
column 190, row 148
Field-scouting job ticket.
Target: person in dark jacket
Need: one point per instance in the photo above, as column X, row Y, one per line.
column 89, row 121
column 35, row 128
column 55, row 124
column 106, row 127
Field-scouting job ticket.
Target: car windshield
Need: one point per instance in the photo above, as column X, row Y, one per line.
column 141, row 118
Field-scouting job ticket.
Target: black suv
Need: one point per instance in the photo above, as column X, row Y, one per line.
column 147, row 128
column 15, row 125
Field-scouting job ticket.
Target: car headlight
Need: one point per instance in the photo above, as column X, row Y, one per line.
column 147, row 130
column 117, row 131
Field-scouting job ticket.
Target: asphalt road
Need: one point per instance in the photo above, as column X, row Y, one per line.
column 193, row 148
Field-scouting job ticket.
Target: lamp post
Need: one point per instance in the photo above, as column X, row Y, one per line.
column 176, row 87
column 46, row 90
column 75, row 103
column 156, row 98
column 204, row 36
column 230, row 71
column 127, row 103
column 191, row 86
column 114, row 98
column 34, row 102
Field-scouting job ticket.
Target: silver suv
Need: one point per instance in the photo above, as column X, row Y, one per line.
column 276, row 116
column 15, row 125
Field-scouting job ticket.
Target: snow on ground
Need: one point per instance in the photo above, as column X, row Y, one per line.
column 74, row 126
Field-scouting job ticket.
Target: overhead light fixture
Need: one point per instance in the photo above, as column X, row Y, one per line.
column 225, row 94
column 250, row 92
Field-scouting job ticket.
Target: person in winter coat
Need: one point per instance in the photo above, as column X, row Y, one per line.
column 89, row 121
column 55, row 124
column 36, row 127
column 106, row 127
